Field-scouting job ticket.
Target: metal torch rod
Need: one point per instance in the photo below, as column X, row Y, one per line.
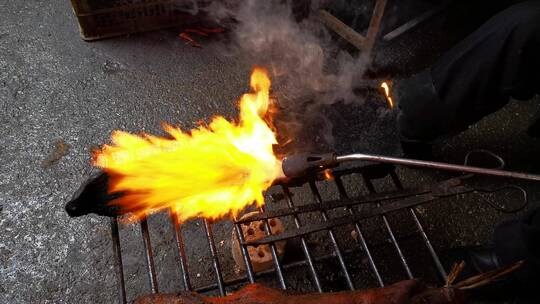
column 436, row 165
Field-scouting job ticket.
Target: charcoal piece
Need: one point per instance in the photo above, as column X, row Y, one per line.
column 93, row 197
column 260, row 256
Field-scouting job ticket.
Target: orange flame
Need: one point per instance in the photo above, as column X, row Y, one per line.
column 328, row 175
column 386, row 89
column 209, row 172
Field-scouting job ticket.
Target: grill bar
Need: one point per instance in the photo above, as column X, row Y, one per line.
column 288, row 266
column 345, row 220
column 436, row 260
column 371, row 189
column 181, row 251
column 149, row 256
column 296, row 264
column 434, row 256
column 215, row 259
column 245, row 254
column 117, row 251
column 346, row 274
column 275, row 257
column 309, row 259
column 374, row 204
column 396, row 246
column 373, row 266
column 343, row 203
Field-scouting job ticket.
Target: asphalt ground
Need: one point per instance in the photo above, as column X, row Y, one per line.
column 60, row 97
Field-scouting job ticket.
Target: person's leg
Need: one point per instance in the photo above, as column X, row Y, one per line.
column 475, row 78
column 513, row 241
column 520, row 240
column 534, row 128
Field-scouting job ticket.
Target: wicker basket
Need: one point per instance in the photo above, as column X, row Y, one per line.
column 100, row 19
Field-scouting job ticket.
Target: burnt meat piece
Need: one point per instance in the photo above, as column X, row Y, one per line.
column 93, row 197
column 403, row 292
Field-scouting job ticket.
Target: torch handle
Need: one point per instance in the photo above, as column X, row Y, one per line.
column 437, row 165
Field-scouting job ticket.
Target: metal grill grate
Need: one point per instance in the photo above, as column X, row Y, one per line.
column 374, row 205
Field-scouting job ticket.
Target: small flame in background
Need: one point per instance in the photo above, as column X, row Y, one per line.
column 328, row 175
column 386, row 89
column 211, row 172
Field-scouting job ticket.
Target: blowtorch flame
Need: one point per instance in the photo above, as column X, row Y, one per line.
column 210, row 172
column 386, row 89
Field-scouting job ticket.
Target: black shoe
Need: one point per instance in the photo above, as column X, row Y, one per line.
column 477, row 260
column 481, row 260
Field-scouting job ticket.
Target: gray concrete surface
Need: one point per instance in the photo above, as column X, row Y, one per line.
column 55, row 87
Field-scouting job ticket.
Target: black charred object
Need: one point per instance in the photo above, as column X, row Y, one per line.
column 93, row 197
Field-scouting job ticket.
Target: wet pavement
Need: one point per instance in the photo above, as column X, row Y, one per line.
column 60, row 97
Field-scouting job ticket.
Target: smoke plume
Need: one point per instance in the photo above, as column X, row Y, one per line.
column 308, row 70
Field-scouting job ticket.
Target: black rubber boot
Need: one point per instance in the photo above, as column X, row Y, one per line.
column 513, row 241
column 481, row 260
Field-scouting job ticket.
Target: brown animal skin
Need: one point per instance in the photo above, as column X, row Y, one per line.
column 404, row 292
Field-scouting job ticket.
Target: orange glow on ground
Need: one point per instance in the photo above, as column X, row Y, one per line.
column 386, row 89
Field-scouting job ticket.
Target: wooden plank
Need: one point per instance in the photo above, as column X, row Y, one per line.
column 343, row 30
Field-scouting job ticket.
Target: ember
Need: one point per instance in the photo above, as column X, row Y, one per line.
column 386, row 89
column 328, row 174
column 201, row 31
column 210, row 172
column 186, row 37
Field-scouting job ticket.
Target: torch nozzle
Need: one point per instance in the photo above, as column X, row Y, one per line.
column 299, row 165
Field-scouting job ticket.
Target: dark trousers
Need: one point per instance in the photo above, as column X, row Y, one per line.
column 477, row 77
column 520, row 240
